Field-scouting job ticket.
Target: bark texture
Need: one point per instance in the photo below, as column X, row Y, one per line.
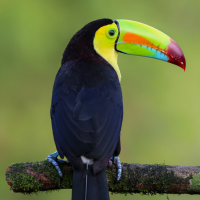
column 146, row 179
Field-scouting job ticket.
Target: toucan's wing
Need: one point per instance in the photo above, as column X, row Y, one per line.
column 86, row 122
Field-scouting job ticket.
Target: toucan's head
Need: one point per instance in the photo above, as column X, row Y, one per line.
column 102, row 39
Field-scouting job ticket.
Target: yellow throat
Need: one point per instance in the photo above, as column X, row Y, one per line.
column 104, row 45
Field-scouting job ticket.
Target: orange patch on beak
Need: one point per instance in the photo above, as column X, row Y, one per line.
column 137, row 39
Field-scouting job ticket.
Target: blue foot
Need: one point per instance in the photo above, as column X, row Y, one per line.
column 52, row 158
column 119, row 167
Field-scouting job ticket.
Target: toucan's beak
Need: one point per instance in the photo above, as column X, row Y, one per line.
column 140, row 39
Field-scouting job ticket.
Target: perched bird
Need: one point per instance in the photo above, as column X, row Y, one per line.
column 87, row 108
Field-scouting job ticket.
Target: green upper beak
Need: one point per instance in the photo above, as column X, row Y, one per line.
column 140, row 39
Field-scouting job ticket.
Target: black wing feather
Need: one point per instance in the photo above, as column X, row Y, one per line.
column 86, row 120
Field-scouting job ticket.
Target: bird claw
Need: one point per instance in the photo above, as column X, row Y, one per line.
column 110, row 163
column 52, row 158
column 119, row 167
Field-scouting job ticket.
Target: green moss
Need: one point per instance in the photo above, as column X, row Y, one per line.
column 146, row 179
column 195, row 183
column 21, row 179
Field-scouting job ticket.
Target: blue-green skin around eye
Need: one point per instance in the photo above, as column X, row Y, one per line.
column 112, row 36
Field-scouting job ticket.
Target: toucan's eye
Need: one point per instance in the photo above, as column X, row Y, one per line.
column 111, row 32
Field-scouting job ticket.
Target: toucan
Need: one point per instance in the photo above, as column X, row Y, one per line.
column 87, row 107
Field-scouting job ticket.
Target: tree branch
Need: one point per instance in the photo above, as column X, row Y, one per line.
column 145, row 179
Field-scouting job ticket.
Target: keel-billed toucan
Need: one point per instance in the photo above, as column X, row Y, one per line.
column 87, row 108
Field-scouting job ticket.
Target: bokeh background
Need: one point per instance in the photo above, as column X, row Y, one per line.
column 161, row 102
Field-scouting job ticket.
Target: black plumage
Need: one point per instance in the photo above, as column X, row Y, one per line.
column 87, row 107
column 87, row 112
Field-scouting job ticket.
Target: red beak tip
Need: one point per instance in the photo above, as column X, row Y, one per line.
column 176, row 55
column 183, row 65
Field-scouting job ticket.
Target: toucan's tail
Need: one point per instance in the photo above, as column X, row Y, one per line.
column 89, row 186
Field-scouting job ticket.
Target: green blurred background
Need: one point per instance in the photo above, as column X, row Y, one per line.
column 161, row 102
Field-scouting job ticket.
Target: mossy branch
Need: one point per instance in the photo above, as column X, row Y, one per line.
column 146, row 179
